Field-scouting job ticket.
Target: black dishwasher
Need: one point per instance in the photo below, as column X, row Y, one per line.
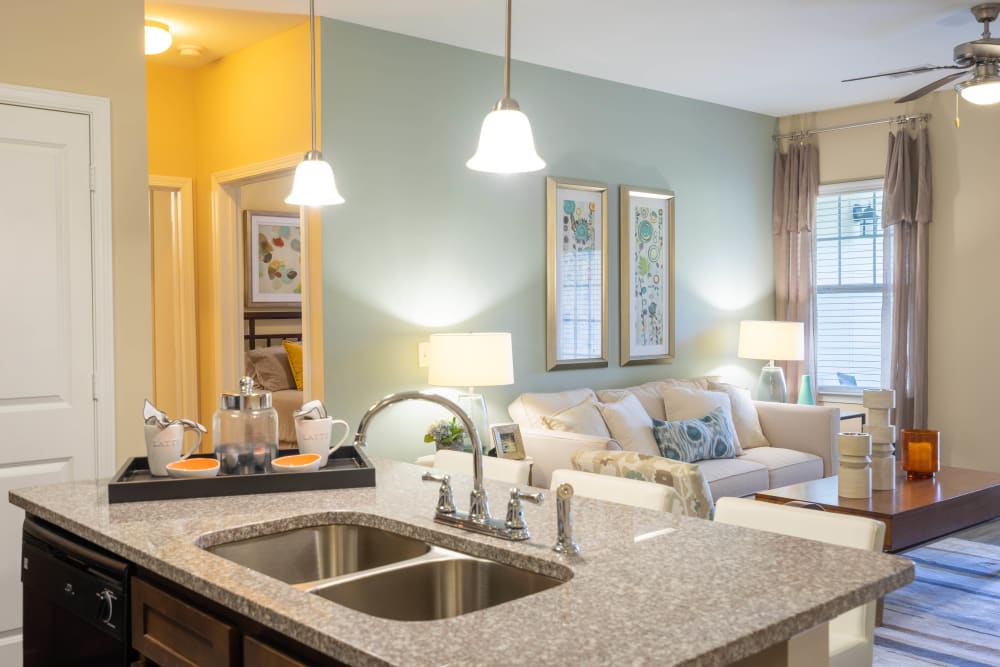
column 76, row 609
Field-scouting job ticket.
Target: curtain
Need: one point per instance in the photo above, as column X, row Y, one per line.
column 906, row 209
column 796, row 185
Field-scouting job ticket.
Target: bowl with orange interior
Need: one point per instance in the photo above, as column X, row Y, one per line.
column 199, row 467
column 296, row 463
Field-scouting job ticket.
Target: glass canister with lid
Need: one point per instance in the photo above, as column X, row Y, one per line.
column 245, row 431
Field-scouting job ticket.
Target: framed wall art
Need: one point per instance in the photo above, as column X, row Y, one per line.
column 577, row 274
column 273, row 275
column 647, row 275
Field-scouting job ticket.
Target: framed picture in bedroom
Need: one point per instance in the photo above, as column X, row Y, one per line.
column 273, row 273
column 507, row 441
column 576, row 274
column 646, row 224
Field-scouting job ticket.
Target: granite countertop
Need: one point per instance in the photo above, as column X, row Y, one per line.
column 690, row 592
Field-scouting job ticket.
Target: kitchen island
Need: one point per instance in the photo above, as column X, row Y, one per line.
column 647, row 587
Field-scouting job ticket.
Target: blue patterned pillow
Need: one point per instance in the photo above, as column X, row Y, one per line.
column 690, row 440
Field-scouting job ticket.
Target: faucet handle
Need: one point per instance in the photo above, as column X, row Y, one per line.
column 446, row 501
column 515, row 524
column 535, row 498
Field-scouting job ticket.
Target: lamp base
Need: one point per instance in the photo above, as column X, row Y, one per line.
column 475, row 406
column 771, row 385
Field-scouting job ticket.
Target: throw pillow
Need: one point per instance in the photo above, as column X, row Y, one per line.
column 681, row 403
column 690, row 440
column 745, row 419
column 630, row 425
column 294, row 351
column 685, row 478
column 649, row 393
column 580, row 418
column 270, row 369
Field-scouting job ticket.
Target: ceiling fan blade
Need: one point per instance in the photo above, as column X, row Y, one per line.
column 903, row 72
column 931, row 87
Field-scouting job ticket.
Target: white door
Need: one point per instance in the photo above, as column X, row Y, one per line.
column 46, row 323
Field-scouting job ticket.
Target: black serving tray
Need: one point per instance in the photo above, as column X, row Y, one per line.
column 347, row 467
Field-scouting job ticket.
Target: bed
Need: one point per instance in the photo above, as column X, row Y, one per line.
column 267, row 363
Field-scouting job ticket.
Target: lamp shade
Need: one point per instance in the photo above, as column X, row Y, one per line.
column 314, row 184
column 471, row 360
column 981, row 92
column 506, row 145
column 782, row 341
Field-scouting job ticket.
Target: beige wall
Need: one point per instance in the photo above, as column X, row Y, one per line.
column 964, row 242
column 95, row 48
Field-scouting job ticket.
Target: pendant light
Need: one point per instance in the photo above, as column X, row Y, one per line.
column 505, row 142
column 314, row 184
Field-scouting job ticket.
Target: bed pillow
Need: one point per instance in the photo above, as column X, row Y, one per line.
column 294, row 351
column 745, row 419
column 690, row 440
column 580, row 418
column 682, row 403
column 630, row 425
column 270, row 369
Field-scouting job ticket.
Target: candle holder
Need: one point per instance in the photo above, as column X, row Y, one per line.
column 921, row 456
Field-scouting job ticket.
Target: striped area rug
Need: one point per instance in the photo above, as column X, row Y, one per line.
column 950, row 614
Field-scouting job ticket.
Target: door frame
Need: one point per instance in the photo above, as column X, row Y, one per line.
column 228, row 271
column 98, row 110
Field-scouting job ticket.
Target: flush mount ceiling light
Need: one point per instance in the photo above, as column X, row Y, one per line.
column 506, row 145
column 314, row 184
column 984, row 87
column 158, row 37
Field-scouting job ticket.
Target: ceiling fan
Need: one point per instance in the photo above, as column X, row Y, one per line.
column 980, row 58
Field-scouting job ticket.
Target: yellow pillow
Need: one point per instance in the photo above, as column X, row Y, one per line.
column 294, row 351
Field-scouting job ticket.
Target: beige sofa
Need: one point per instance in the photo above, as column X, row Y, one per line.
column 802, row 439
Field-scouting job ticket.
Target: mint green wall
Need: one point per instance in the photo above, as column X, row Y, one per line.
column 425, row 245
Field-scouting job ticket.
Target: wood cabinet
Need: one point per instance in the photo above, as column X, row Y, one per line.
column 176, row 627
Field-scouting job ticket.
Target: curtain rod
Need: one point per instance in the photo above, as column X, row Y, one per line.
column 895, row 119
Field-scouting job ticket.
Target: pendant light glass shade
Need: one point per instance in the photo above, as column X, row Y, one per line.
column 314, row 184
column 506, row 145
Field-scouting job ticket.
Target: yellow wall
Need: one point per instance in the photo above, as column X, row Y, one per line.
column 964, row 236
column 171, row 117
column 95, row 48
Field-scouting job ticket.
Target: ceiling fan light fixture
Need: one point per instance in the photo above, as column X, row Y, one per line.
column 981, row 90
column 158, row 37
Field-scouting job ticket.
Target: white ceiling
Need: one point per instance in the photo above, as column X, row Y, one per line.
column 775, row 57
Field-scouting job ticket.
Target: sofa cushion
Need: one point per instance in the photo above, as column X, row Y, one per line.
column 630, row 425
column 528, row 409
column 649, row 393
column 580, row 418
column 786, row 466
column 734, row 477
column 685, row 478
column 745, row 417
column 684, row 403
column 708, row 437
column 270, row 369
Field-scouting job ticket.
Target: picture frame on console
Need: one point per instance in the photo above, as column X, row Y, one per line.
column 272, row 274
column 646, row 222
column 576, row 274
column 507, row 441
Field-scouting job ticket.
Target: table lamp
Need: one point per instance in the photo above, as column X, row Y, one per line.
column 471, row 360
column 782, row 341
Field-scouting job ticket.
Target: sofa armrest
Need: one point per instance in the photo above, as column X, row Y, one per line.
column 805, row 428
column 553, row 450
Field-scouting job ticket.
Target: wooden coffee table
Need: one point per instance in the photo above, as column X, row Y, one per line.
column 916, row 511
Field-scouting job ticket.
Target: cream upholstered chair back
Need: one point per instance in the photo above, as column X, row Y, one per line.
column 852, row 633
column 618, row 489
column 502, row 470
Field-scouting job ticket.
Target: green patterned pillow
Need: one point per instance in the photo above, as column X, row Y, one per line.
column 690, row 440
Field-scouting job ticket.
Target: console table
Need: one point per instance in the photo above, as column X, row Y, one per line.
column 916, row 511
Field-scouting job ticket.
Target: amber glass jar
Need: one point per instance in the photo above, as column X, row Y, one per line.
column 920, row 452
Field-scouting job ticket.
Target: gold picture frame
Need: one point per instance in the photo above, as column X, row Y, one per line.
column 646, row 226
column 507, row 441
column 576, row 274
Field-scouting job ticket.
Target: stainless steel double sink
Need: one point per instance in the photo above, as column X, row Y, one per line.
column 384, row 574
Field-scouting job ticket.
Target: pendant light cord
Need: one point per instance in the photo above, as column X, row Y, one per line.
column 506, row 57
column 312, row 63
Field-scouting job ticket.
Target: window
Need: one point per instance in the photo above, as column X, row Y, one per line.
column 851, row 301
